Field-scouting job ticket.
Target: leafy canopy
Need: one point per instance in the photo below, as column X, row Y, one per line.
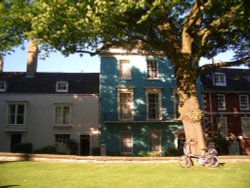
column 15, row 19
column 200, row 28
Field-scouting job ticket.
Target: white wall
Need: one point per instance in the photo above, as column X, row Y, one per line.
column 40, row 117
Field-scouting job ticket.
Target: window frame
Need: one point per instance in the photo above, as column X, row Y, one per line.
column 152, row 143
column 222, row 126
column 62, row 118
column 125, row 69
column 61, row 140
column 247, row 102
column 158, row 92
column 61, row 145
column 126, row 147
column 61, row 89
column 246, row 132
column 3, row 86
column 175, row 99
column 130, row 105
column 153, row 73
column 24, row 114
column 221, row 105
column 219, row 79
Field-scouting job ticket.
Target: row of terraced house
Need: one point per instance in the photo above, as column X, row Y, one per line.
column 128, row 108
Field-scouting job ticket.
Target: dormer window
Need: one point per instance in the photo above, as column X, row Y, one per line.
column 62, row 86
column 219, row 79
column 2, row 86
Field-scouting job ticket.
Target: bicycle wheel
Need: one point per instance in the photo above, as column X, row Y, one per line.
column 185, row 161
column 213, row 161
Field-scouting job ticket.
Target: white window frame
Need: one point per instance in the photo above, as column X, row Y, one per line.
column 222, row 126
column 2, row 86
column 16, row 104
column 129, row 105
column 62, row 118
column 158, row 92
column 150, row 76
column 126, row 142
column 221, row 105
column 245, row 126
column 155, row 144
column 244, row 105
column 61, row 142
column 219, row 79
column 62, row 86
column 124, row 69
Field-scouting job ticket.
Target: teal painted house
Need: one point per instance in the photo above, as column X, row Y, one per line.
column 137, row 104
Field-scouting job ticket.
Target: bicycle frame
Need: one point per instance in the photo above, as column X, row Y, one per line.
column 208, row 158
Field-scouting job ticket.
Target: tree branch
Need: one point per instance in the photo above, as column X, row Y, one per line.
column 225, row 64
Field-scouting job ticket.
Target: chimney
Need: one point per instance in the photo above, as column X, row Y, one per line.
column 1, row 64
column 32, row 59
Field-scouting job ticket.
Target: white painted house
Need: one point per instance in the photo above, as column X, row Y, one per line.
column 49, row 109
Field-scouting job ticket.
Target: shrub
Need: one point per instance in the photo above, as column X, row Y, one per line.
column 72, row 145
column 96, row 151
column 22, row 148
column 155, row 154
column 143, row 154
column 47, row 150
column 173, row 152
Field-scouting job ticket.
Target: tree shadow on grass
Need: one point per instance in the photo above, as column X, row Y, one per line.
column 7, row 186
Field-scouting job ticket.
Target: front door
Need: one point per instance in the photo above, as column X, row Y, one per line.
column 16, row 138
column 85, row 145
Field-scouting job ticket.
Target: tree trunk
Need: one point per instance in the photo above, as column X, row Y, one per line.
column 32, row 59
column 1, row 64
column 189, row 108
column 191, row 115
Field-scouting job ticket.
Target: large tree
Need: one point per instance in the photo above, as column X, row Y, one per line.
column 182, row 30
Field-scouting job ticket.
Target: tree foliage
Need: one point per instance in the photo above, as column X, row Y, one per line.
column 72, row 26
column 15, row 19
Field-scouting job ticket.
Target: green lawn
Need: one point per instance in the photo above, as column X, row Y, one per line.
column 41, row 174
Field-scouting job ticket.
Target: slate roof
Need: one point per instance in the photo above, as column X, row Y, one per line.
column 238, row 80
column 78, row 83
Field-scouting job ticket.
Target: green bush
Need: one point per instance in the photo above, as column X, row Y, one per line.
column 22, row 148
column 96, row 151
column 47, row 150
column 173, row 152
column 155, row 154
column 72, row 145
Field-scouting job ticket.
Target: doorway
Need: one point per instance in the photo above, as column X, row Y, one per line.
column 85, row 145
column 15, row 138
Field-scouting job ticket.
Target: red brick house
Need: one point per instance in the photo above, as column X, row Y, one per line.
column 226, row 100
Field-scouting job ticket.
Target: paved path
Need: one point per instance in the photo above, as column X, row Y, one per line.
column 106, row 159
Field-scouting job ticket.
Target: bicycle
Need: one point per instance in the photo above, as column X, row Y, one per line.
column 209, row 158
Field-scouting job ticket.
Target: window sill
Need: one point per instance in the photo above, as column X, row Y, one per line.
column 153, row 79
column 62, row 126
column 15, row 128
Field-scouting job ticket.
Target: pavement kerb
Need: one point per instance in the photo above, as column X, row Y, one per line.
column 4, row 157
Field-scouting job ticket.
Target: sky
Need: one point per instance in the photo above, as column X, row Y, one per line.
column 56, row 62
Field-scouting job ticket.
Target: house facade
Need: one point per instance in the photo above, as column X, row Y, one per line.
column 226, row 94
column 49, row 109
column 137, row 103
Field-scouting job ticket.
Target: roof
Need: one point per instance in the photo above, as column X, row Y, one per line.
column 78, row 83
column 237, row 80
